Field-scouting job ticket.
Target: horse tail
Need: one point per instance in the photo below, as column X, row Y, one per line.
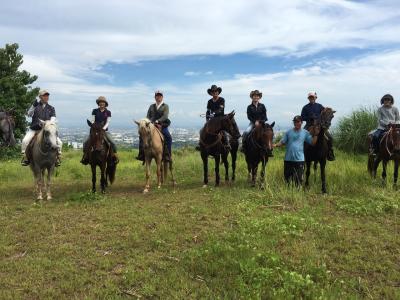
column 111, row 170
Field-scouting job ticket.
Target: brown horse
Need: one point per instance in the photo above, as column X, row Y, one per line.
column 389, row 149
column 319, row 152
column 100, row 156
column 259, row 145
column 7, row 125
column 211, row 143
column 153, row 146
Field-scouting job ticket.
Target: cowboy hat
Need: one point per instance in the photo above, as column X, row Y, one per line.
column 214, row 88
column 101, row 99
column 255, row 92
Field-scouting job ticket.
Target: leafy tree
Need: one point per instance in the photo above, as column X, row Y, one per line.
column 16, row 94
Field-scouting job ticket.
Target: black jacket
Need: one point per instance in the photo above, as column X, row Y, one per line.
column 257, row 113
column 215, row 108
column 41, row 113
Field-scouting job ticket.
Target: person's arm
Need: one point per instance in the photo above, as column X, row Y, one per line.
column 304, row 114
column 53, row 115
column 93, row 116
column 165, row 114
column 107, row 123
column 148, row 116
column 31, row 109
column 381, row 121
column 397, row 116
column 249, row 116
column 264, row 114
column 282, row 142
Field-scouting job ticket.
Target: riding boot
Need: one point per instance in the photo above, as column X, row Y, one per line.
column 58, row 160
column 197, row 147
column 140, row 155
column 269, row 153
column 25, row 161
column 331, row 155
column 85, row 157
column 166, row 154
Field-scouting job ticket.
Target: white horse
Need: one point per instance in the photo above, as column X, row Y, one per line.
column 43, row 155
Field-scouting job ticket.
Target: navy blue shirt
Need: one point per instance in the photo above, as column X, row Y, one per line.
column 101, row 116
column 311, row 112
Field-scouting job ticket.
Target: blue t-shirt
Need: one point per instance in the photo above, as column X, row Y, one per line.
column 294, row 141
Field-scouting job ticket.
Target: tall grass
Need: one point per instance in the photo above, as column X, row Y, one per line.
column 352, row 130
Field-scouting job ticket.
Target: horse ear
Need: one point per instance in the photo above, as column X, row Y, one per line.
column 89, row 123
column 231, row 114
column 333, row 111
column 272, row 124
column 137, row 123
column 148, row 124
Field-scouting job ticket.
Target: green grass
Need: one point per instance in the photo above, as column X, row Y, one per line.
column 231, row 242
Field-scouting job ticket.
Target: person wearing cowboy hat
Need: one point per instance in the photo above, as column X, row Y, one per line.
column 39, row 110
column 311, row 112
column 100, row 115
column 158, row 114
column 216, row 108
column 387, row 114
column 256, row 113
column 294, row 140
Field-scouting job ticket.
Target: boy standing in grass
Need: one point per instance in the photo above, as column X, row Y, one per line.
column 294, row 158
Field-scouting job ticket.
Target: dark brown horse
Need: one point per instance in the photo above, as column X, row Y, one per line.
column 7, row 124
column 259, row 145
column 389, row 149
column 319, row 152
column 211, row 144
column 100, row 155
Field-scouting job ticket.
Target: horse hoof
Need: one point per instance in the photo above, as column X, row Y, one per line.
column 39, row 198
column 159, row 187
column 49, row 197
column 204, row 186
column 103, row 192
column 145, row 191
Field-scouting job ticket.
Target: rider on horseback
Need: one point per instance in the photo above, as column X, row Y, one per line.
column 311, row 112
column 39, row 110
column 387, row 114
column 158, row 114
column 256, row 113
column 100, row 115
column 216, row 108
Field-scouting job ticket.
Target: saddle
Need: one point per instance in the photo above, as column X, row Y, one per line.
column 29, row 148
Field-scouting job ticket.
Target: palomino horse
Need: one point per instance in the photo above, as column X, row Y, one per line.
column 211, row 143
column 7, row 125
column 389, row 149
column 319, row 152
column 42, row 152
column 153, row 145
column 259, row 145
column 100, row 156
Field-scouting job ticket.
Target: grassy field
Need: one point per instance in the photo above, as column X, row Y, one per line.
column 231, row 242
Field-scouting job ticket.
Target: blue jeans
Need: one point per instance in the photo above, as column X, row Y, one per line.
column 376, row 138
column 247, row 131
column 168, row 138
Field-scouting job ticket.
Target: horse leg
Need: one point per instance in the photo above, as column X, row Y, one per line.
column 262, row 176
column 217, row 161
column 375, row 167
column 384, row 165
column 147, row 187
column 93, row 178
column 38, row 183
column 226, row 165
column 159, row 175
column 396, row 173
column 171, row 171
column 48, row 184
column 322, row 165
column 254, row 169
column 308, row 167
column 205, row 168
column 234, row 157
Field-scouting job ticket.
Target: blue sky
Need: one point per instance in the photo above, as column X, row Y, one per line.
column 348, row 51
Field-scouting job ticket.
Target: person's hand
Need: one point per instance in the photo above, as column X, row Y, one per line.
column 257, row 123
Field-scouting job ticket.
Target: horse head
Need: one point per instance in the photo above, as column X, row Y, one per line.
column 7, row 125
column 264, row 135
column 230, row 126
column 394, row 130
column 145, row 128
column 326, row 117
column 97, row 134
column 49, row 129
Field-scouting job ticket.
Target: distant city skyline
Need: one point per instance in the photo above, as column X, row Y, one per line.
column 347, row 51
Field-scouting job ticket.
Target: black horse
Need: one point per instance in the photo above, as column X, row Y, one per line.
column 7, row 125
column 211, row 143
column 258, row 148
column 319, row 152
column 389, row 149
column 100, row 155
